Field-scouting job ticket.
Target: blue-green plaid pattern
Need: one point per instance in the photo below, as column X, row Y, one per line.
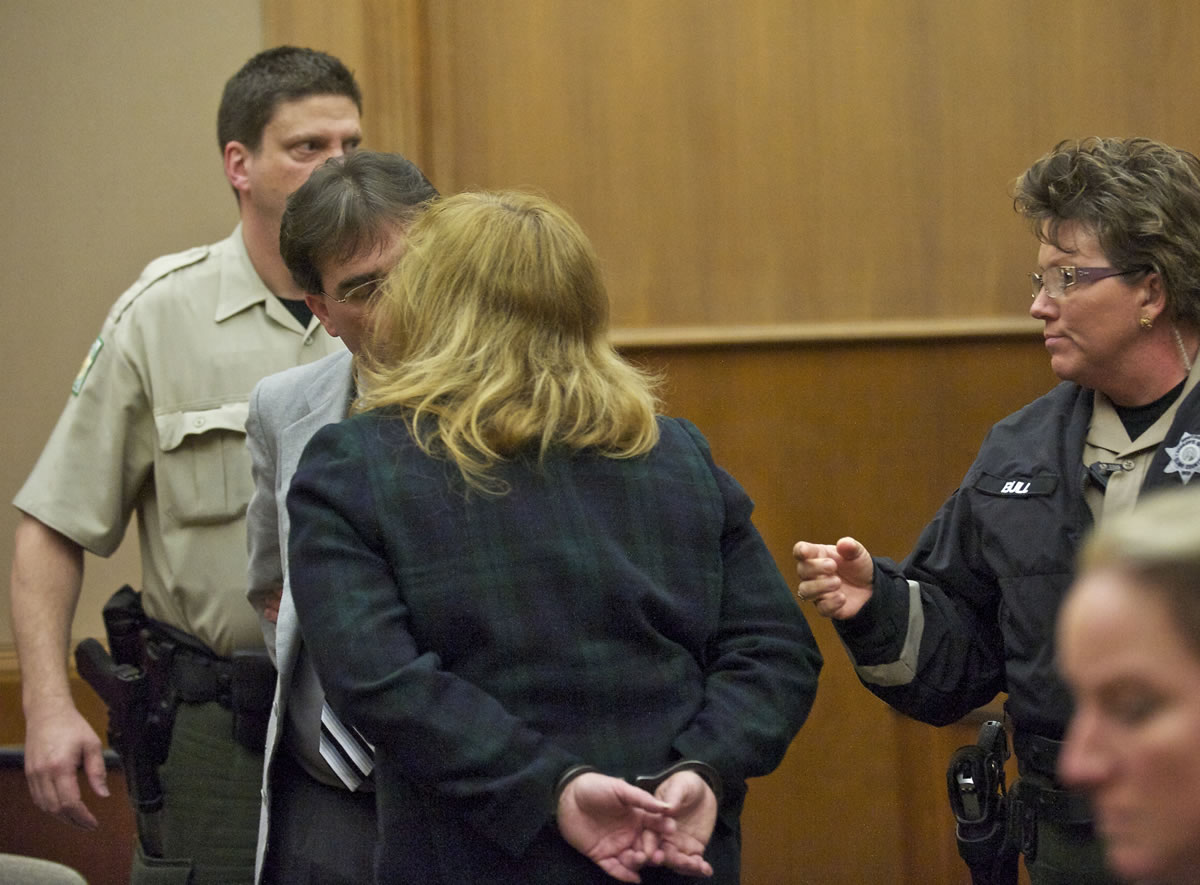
column 622, row 613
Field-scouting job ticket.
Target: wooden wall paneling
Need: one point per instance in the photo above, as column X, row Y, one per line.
column 12, row 718
column 831, row 439
column 757, row 162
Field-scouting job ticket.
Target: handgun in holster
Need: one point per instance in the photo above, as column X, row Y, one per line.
column 124, row 689
column 976, row 784
column 127, row 627
column 135, row 726
column 180, row 668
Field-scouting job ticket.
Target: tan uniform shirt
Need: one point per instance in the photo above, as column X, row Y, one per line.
column 156, row 423
column 1108, row 441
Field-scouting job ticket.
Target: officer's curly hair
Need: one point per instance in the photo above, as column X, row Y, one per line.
column 284, row 73
column 1139, row 198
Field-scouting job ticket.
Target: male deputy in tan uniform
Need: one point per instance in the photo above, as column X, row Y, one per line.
column 155, row 424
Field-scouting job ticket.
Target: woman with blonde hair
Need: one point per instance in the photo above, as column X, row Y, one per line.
column 1129, row 647
column 527, row 589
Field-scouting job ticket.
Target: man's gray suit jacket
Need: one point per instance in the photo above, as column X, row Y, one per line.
column 286, row 409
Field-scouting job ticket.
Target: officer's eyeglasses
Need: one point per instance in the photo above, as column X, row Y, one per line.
column 362, row 292
column 1057, row 280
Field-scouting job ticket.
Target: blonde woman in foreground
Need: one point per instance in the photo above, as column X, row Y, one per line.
column 527, row 589
column 1129, row 646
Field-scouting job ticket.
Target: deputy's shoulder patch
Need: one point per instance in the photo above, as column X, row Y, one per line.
column 86, row 366
column 1017, row 486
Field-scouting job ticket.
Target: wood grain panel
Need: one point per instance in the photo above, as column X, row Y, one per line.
column 754, row 162
column 865, row 439
column 758, row 162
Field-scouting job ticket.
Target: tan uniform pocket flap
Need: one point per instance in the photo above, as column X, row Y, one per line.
column 174, row 427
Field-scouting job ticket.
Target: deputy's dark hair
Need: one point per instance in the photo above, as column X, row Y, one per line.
column 284, row 73
column 347, row 205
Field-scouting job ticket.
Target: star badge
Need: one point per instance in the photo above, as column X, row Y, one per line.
column 1185, row 457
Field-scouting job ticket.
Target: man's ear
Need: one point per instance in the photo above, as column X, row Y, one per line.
column 316, row 303
column 238, row 158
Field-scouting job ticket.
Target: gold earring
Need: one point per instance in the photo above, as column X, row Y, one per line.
column 1145, row 322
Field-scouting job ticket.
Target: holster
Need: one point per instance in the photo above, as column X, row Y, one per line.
column 179, row 668
column 153, row 668
column 124, row 690
column 976, row 784
column 182, row 669
column 124, row 620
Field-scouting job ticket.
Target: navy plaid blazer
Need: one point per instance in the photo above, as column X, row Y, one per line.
column 622, row 613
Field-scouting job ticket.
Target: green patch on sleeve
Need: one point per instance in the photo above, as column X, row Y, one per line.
column 88, row 362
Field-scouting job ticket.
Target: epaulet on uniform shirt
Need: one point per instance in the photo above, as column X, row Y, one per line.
column 156, row 270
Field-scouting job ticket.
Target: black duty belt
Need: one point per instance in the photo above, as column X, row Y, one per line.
column 197, row 675
column 1036, row 753
column 1037, row 759
column 200, row 679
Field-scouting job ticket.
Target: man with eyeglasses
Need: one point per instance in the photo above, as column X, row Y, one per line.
column 971, row 612
column 154, row 424
column 341, row 234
